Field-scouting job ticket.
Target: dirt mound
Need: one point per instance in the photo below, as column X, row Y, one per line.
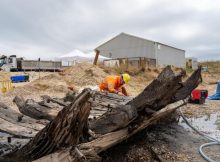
column 45, row 85
column 77, row 77
column 83, row 75
column 80, row 76
column 52, row 82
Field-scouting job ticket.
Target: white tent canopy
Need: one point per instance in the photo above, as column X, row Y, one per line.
column 77, row 56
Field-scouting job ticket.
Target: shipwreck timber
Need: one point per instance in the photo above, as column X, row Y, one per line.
column 92, row 122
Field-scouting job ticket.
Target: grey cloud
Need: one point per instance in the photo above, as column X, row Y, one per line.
column 33, row 28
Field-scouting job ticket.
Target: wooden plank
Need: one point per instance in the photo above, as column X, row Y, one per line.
column 96, row 57
column 108, row 140
column 13, row 117
column 47, row 98
column 64, row 131
column 34, row 110
column 16, row 130
column 104, row 142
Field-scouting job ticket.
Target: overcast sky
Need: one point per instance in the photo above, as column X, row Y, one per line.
column 51, row 28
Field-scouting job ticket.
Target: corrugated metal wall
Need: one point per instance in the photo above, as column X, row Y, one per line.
column 127, row 46
column 124, row 46
column 166, row 55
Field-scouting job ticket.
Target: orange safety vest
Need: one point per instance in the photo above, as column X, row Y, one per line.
column 111, row 83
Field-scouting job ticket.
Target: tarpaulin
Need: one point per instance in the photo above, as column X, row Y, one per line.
column 217, row 95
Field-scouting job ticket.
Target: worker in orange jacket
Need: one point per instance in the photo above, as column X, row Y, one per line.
column 114, row 84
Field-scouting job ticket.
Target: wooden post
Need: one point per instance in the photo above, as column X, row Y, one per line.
column 139, row 63
column 96, row 57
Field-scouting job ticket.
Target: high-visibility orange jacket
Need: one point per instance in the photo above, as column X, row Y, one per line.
column 111, row 83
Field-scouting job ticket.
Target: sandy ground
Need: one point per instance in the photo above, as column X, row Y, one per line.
column 173, row 142
column 28, row 89
column 170, row 142
column 55, row 84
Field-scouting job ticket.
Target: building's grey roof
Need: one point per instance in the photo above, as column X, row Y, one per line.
column 138, row 38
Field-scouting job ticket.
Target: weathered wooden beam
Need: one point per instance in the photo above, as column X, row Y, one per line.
column 115, row 119
column 190, row 84
column 16, row 124
column 16, row 130
column 96, row 57
column 17, row 118
column 100, row 103
column 161, row 89
column 91, row 149
column 34, row 110
column 155, row 96
column 48, row 99
column 64, row 131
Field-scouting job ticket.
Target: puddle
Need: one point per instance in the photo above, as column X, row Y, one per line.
column 209, row 124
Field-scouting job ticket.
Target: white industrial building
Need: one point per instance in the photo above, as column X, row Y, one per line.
column 129, row 46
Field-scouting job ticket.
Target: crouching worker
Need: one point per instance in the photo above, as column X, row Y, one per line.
column 114, row 84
